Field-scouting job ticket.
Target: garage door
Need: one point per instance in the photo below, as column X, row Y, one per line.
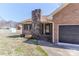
column 69, row 34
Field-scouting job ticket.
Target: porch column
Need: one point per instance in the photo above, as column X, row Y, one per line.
column 55, row 34
column 44, row 28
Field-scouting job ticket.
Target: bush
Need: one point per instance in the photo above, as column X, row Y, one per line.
column 22, row 35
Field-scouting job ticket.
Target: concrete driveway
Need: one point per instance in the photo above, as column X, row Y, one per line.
column 61, row 49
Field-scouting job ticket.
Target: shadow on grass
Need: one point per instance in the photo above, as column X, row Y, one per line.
column 31, row 41
column 48, row 44
column 14, row 36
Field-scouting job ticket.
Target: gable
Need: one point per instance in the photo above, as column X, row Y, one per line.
column 71, row 11
column 68, row 15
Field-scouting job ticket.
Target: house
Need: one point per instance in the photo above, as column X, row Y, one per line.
column 27, row 28
column 19, row 28
column 12, row 30
column 66, row 24
column 60, row 26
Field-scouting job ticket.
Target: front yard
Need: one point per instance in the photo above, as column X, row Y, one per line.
column 11, row 45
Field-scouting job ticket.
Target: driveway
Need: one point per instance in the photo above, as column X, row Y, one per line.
column 60, row 49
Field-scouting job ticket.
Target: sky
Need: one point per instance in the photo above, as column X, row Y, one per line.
column 21, row 11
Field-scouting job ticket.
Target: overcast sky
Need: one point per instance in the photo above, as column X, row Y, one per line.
column 22, row 11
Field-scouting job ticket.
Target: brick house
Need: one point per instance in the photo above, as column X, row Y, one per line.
column 60, row 26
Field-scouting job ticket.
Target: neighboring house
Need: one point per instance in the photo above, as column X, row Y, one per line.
column 12, row 30
column 27, row 28
column 19, row 28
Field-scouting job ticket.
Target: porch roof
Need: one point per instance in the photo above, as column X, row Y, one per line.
column 27, row 21
column 45, row 19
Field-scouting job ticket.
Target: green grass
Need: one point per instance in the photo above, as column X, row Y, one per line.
column 19, row 50
column 39, row 49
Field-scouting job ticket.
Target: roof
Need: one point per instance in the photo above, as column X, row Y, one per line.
column 45, row 19
column 27, row 21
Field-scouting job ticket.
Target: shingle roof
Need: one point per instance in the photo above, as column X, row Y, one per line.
column 27, row 21
column 45, row 19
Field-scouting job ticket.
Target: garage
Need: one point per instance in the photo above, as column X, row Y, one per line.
column 69, row 34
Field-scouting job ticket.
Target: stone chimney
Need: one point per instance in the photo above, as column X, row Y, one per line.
column 36, row 18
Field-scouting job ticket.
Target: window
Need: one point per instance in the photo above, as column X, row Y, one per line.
column 27, row 26
column 47, row 29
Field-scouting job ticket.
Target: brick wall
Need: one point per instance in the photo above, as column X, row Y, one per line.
column 67, row 16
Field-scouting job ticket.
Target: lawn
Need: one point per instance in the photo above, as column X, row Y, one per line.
column 15, row 46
